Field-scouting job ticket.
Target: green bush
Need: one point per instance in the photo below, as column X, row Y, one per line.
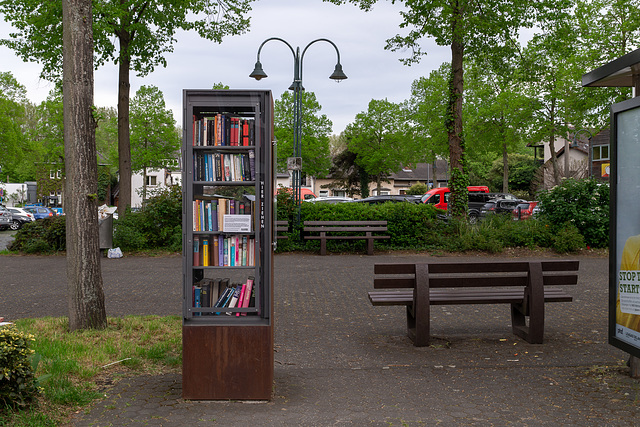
column 584, row 204
column 42, row 236
column 157, row 226
column 568, row 239
column 18, row 384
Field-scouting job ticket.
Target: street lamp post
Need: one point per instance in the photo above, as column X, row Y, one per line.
column 258, row 74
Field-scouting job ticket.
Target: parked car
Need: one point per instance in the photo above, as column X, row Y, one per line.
column 499, row 206
column 6, row 218
column 390, row 198
column 525, row 210
column 40, row 212
column 20, row 217
column 478, row 200
column 439, row 197
column 305, row 193
column 329, row 199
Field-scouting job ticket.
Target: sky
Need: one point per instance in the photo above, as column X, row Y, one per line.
column 195, row 63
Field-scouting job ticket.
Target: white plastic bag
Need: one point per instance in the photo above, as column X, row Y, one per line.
column 114, row 253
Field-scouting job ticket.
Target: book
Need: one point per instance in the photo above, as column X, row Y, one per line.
column 196, row 251
column 196, row 298
column 241, row 297
column 205, row 293
column 252, row 164
column 234, row 298
column 215, row 252
column 247, row 294
column 205, row 252
column 220, row 251
column 216, row 288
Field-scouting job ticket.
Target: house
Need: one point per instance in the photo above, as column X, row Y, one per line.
column 398, row 182
column 572, row 160
column 599, row 159
column 156, row 179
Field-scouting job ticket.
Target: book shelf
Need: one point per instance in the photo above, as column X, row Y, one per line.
column 227, row 222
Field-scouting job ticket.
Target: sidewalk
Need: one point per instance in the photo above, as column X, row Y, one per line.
column 340, row 361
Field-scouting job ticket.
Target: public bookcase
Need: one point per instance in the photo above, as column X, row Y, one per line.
column 227, row 222
column 624, row 295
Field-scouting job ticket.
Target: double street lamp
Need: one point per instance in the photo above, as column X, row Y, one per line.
column 258, row 74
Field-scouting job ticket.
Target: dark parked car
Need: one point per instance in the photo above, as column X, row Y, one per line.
column 499, row 206
column 40, row 212
column 6, row 218
column 525, row 210
column 389, row 198
column 478, row 200
column 20, row 217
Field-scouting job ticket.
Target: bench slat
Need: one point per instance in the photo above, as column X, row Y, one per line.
column 338, row 223
column 440, row 298
column 345, row 237
column 478, row 267
column 471, row 282
column 344, row 229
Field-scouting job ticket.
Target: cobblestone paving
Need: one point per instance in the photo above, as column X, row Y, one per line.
column 340, row 361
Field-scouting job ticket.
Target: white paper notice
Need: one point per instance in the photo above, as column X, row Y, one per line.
column 629, row 289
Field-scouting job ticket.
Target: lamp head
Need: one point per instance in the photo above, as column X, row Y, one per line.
column 338, row 75
column 258, row 73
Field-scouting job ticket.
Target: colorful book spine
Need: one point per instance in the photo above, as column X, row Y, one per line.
column 196, row 251
column 205, row 252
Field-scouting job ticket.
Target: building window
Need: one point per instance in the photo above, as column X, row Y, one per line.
column 601, row 152
column 151, row 180
column 323, row 193
column 52, row 174
column 59, row 174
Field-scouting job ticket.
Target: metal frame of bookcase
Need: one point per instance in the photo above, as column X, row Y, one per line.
column 219, row 350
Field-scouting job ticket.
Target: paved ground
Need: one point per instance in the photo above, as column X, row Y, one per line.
column 340, row 361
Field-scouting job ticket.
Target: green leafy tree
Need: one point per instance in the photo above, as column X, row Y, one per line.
column 378, row 138
column 427, row 108
column 135, row 34
column 468, row 28
column 522, row 171
column 316, row 129
column 347, row 174
column 12, row 115
column 155, row 141
column 497, row 113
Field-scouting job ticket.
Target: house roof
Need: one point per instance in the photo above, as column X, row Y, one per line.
column 422, row 172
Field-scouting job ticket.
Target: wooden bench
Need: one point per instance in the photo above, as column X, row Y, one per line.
column 525, row 285
column 364, row 230
column 282, row 227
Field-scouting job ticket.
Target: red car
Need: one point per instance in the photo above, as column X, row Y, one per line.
column 524, row 210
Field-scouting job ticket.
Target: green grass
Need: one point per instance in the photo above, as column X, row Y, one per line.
column 75, row 362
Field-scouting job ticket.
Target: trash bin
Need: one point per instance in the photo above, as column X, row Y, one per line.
column 105, row 227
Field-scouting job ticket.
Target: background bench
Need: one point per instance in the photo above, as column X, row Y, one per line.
column 522, row 284
column 347, row 230
column 282, row 227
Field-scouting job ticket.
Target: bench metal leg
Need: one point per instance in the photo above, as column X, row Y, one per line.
column 323, row 243
column 532, row 307
column 369, row 243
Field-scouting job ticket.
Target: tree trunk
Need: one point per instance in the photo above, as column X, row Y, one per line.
column 124, row 145
column 505, row 168
column 84, row 276
column 458, row 201
column 552, row 145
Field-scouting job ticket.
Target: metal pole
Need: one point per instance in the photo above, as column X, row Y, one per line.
column 258, row 73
